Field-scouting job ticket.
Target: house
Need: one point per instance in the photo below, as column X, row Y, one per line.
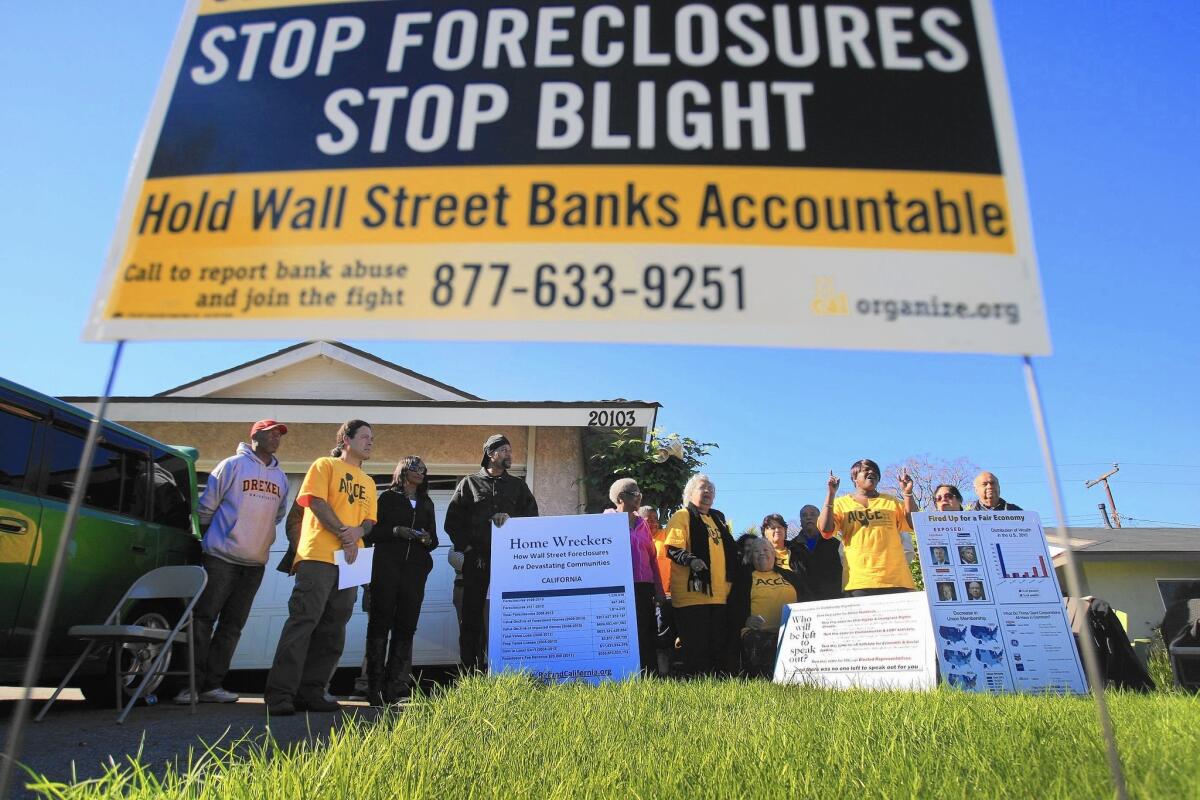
column 314, row 387
column 1124, row 565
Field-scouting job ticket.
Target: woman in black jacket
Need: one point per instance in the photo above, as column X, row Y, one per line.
column 760, row 590
column 404, row 537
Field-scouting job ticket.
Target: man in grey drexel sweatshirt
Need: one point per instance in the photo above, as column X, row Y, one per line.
column 242, row 504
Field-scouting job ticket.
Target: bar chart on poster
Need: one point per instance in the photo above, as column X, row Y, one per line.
column 1014, row 561
column 996, row 605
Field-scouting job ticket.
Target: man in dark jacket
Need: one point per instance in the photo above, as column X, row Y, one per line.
column 819, row 557
column 489, row 497
column 987, row 489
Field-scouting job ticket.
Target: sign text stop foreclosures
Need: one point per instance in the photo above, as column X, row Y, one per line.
column 361, row 162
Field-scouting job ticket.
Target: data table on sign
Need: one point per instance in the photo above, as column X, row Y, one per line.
column 568, row 624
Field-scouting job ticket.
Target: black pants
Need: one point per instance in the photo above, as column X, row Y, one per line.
column 647, row 626
column 397, row 591
column 873, row 592
column 225, row 605
column 476, row 575
column 758, row 653
column 704, row 632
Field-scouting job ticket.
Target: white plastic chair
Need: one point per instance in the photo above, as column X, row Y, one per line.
column 165, row 583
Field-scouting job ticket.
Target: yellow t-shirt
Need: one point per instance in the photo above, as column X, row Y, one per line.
column 783, row 558
column 679, row 535
column 769, row 593
column 348, row 491
column 871, row 537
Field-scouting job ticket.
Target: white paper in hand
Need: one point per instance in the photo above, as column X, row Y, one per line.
column 355, row 574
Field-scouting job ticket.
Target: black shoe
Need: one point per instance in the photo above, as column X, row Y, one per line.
column 397, row 693
column 317, row 704
column 282, row 707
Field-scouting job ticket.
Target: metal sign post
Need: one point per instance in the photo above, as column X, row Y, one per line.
column 33, row 667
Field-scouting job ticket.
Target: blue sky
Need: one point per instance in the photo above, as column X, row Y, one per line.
column 1105, row 97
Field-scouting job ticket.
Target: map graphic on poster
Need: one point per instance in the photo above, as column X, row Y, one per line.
column 997, row 608
column 562, row 599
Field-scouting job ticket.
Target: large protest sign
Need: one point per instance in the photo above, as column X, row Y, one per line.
column 561, row 598
column 996, row 603
column 800, row 174
column 880, row 642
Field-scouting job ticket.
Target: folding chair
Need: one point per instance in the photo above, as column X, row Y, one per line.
column 165, row 583
column 1185, row 663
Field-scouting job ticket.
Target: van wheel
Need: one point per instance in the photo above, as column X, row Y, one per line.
column 136, row 660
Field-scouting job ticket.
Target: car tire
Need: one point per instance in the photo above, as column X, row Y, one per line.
column 136, row 656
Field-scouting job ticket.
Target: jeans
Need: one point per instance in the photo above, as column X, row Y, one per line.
column 312, row 639
column 225, row 605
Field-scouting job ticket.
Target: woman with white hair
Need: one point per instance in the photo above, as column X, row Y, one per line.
column 761, row 588
column 647, row 586
column 704, row 556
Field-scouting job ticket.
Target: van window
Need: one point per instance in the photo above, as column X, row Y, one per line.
column 171, row 491
column 16, row 437
column 117, row 482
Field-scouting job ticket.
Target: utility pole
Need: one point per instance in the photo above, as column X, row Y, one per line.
column 1104, row 479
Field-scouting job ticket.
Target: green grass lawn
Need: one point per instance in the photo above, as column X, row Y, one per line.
column 512, row 738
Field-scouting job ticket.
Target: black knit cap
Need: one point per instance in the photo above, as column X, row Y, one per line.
column 494, row 443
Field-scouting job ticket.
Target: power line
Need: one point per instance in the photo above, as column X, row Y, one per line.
column 1018, row 466
column 1164, row 522
column 1029, row 482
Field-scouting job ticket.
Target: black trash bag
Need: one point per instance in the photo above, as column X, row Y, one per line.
column 1094, row 622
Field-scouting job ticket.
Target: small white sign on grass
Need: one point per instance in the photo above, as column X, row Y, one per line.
column 880, row 642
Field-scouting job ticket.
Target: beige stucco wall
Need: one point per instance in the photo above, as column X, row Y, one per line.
column 557, row 466
column 443, row 445
column 1130, row 586
column 445, row 448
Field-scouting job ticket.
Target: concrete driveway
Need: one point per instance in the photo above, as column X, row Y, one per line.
column 75, row 740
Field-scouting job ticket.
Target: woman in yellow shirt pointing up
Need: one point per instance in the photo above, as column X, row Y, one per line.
column 871, row 524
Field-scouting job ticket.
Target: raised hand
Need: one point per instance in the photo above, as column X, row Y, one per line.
column 833, row 483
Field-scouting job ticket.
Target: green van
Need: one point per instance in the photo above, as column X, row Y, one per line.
column 139, row 513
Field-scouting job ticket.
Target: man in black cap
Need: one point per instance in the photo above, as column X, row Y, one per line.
column 490, row 496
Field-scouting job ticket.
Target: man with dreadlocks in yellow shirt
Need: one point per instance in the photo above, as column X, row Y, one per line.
column 871, row 524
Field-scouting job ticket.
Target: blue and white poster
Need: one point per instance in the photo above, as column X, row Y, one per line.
column 997, row 607
column 562, row 599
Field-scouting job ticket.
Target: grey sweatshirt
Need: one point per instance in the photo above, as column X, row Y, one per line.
column 242, row 503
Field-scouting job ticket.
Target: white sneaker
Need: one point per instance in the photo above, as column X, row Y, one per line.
column 218, row 695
